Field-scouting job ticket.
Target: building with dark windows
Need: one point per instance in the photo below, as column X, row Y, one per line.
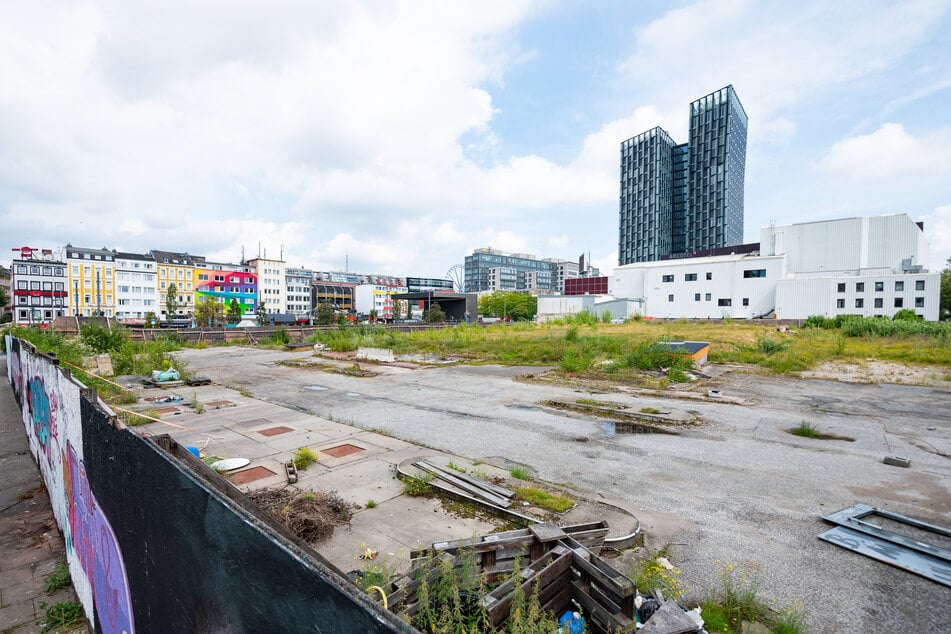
column 488, row 270
column 678, row 198
column 39, row 287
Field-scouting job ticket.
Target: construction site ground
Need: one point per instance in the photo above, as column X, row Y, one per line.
column 734, row 487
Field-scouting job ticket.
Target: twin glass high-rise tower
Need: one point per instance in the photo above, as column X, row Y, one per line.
column 679, row 198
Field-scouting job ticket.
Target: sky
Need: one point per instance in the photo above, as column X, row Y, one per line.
column 395, row 137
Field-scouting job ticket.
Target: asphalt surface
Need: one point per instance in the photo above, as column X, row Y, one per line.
column 736, row 489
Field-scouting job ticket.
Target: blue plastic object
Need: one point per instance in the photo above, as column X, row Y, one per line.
column 571, row 623
column 194, row 451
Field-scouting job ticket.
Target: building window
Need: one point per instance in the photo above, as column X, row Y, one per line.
column 899, row 286
column 724, row 302
column 919, row 302
column 879, row 287
column 708, row 297
column 859, row 303
column 746, row 301
column 840, row 303
column 696, row 297
column 670, row 298
column 754, row 273
column 860, row 287
column 899, row 302
column 878, row 302
column 840, row 287
column 709, row 275
column 919, row 285
column 668, row 278
column 690, row 277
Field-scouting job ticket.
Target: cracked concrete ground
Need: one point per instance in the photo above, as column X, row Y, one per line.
column 737, row 489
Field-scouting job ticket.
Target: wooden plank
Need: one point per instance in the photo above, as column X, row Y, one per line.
column 491, row 498
column 482, row 484
column 544, row 575
column 560, row 602
column 607, row 620
column 547, row 532
column 621, row 586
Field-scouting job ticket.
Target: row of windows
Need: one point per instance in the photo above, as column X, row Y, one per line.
column 692, row 277
column 879, row 302
column 37, row 301
column 880, row 286
column 23, row 269
column 46, row 286
column 723, row 301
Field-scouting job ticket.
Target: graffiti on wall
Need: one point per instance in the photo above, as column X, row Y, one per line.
column 92, row 541
column 50, row 407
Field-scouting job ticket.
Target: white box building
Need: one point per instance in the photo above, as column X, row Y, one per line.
column 869, row 266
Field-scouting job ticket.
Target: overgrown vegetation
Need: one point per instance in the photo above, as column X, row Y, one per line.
column 66, row 614
column 418, row 486
column 544, row 499
column 655, row 572
column 58, row 579
column 520, row 473
column 304, row 457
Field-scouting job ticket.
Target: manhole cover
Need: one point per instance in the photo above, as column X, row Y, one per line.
column 167, row 410
column 274, row 431
column 342, row 450
column 250, row 475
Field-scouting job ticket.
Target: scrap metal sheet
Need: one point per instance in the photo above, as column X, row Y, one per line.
column 934, row 568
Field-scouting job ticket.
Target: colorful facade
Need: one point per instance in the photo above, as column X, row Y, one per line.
column 215, row 282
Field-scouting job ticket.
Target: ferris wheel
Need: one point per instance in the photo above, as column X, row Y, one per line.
column 457, row 275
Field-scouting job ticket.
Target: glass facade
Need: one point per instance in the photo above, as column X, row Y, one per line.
column 687, row 197
column 488, row 269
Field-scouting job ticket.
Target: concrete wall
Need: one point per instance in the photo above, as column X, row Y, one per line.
column 155, row 541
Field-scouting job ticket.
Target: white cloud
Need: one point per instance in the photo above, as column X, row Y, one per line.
column 890, row 153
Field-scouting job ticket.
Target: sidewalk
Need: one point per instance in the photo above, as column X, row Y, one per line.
column 30, row 542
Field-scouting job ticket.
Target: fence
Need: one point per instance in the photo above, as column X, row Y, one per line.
column 155, row 541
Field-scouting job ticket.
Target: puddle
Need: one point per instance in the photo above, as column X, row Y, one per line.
column 315, row 388
column 354, row 394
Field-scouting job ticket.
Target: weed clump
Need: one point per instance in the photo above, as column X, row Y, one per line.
column 303, row 457
column 311, row 515
column 58, row 579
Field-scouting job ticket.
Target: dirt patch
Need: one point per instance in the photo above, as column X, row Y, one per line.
column 873, row 371
column 311, row 515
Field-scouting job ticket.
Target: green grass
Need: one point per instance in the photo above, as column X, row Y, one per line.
column 544, row 499
column 806, row 430
column 650, row 410
column 452, row 465
column 418, row 487
column 58, row 579
column 520, row 473
column 303, row 457
column 67, row 614
column 371, row 504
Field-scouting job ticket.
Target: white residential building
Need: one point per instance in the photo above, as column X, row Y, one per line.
column 378, row 297
column 136, row 287
column 38, row 287
column 272, row 280
column 298, row 291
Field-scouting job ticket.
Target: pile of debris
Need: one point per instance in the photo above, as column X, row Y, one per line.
column 311, row 515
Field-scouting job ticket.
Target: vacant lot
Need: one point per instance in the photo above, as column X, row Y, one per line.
column 738, row 488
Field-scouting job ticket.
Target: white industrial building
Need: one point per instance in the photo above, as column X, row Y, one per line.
column 379, row 298
column 870, row 266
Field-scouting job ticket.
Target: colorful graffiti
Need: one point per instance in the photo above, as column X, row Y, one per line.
column 93, row 542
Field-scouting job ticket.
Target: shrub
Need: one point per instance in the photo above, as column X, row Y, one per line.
column 103, row 339
column 656, row 573
column 767, row 345
column 906, row 314
column 303, row 457
column 417, row 487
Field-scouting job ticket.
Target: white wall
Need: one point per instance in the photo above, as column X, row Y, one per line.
column 798, row 298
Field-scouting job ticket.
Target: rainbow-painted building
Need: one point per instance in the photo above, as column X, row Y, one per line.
column 224, row 285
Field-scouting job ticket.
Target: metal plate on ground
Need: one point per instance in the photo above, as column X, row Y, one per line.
column 933, row 568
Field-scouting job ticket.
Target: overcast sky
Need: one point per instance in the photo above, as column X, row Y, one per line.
column 402, row 135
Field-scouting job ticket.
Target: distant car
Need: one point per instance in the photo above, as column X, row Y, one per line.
column 618, row 320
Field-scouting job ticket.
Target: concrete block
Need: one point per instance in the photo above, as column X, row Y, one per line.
column 897, row 461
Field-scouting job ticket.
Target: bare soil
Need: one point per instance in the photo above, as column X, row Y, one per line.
column 874, row 371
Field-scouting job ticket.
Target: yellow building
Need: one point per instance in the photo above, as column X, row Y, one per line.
column 92, row 281
column 178, row 269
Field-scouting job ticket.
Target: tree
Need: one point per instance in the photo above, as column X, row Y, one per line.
column 372, row 315
column 151, row 320
column 171, row 301
column 944, row 304
column 209, row 313
column 3, row 297
column 518, row 306
column 325, row 314
column 262, row 313
column 234, row 311
column 434, row 315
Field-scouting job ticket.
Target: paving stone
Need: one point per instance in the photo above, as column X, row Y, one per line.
column 15, row 575
column 343, row 450
column 274, row 431
column 250, row 475
column 18, row 614
column 21, row 592
column 24, row 557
